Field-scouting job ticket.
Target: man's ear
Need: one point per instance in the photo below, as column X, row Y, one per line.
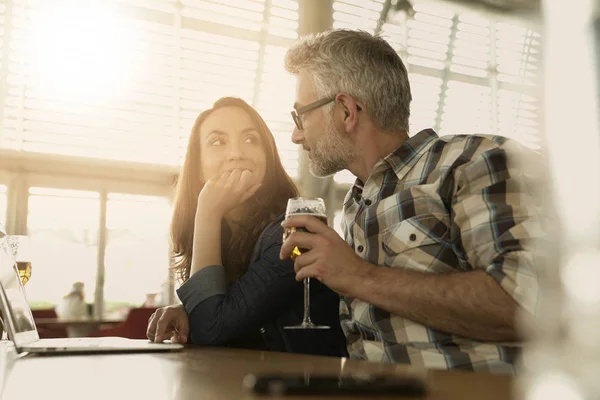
column 350, row 109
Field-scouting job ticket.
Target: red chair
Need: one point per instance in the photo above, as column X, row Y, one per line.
column 48, row 332
column 134, row 326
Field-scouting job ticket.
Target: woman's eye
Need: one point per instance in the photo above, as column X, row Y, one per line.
column 216, row 142
column 250, row 140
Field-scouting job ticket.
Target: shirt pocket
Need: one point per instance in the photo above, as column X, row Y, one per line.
column 416, row 232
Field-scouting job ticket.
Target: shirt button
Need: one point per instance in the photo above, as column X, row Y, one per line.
column 360, row 248
column 262, row 331
column 368, row 202
column 412, row 237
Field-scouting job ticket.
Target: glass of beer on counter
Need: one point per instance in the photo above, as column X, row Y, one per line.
column 304, row 206
column 21, row 251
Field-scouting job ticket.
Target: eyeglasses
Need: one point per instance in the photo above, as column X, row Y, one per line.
column 309, row 107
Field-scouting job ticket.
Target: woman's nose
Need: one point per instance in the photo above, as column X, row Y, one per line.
column 235, row 152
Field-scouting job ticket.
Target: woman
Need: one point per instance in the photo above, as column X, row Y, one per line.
column 226, row 237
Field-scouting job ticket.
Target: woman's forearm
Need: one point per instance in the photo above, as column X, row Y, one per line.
column 206, row 249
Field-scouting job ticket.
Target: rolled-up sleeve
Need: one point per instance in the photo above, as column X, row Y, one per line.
column 497, row 223
column 219, row 314
column 208, row 282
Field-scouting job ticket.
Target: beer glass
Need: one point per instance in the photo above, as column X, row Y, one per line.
column 316, row 208
column 20, row 248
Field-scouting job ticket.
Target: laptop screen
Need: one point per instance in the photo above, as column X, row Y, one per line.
column 15, row 308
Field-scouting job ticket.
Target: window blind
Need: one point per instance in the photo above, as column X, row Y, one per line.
column 468, row 73
column 89, row 80
column 518, row 60
column 277, row 93
column 2, row 32
column 357, row 14
column 125, row 79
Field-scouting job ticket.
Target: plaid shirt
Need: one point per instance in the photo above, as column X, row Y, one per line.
column 439, row 205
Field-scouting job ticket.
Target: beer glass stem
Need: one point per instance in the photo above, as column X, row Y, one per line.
column 306, row 320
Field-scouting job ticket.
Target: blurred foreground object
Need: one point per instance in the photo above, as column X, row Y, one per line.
column 562, row 361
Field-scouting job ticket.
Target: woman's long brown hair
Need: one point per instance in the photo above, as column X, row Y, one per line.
column 262, row 209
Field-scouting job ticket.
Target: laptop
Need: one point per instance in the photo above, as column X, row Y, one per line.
column 21, row 329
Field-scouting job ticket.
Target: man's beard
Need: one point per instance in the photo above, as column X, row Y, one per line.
column 332, row 153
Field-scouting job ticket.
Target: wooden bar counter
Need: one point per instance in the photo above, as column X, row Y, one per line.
column 199, row 373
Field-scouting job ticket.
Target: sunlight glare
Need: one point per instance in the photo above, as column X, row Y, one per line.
column 79, row 51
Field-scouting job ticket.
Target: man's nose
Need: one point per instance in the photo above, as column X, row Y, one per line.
column 297, row 136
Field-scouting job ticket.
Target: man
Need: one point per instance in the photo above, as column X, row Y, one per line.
column 438, row 256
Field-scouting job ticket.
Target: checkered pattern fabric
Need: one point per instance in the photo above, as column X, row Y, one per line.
column 442, row 205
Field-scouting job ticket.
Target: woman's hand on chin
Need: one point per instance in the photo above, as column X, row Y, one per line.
column 226, row 192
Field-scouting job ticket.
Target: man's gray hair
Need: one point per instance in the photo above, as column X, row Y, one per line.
column 359, row 64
